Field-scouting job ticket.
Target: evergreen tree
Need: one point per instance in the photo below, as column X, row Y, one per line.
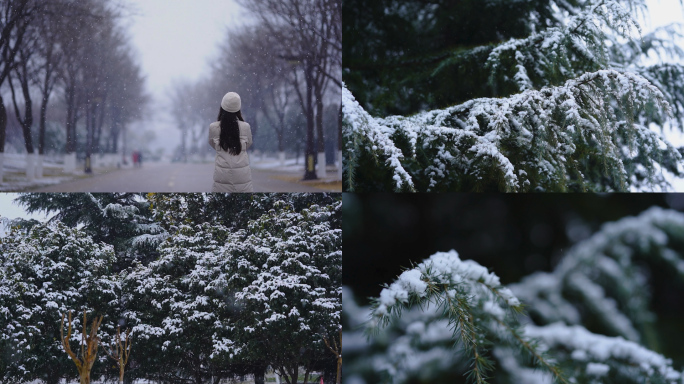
column 175, row 313
column 222, row 301
column 192, row 297
column 538, row 95
column 123, row 220
column 47, row 271
column 232, row 210
column 588, row 320
column 287, row 280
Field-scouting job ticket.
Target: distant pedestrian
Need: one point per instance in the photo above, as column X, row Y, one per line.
column 139, row 159
column 230, row 136
column 134, row 155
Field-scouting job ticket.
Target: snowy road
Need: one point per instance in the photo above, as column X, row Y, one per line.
column 177, row 177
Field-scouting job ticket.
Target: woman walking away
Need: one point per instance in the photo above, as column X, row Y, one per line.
column 230, row 136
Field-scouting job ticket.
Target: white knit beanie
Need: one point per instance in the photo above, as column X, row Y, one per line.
column 231, row 102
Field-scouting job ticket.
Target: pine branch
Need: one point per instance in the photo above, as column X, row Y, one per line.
column 599, row 276
column 453, row 286
column 549, row 139
column 538, row 357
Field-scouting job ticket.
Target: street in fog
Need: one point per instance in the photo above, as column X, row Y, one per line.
column 176, row 177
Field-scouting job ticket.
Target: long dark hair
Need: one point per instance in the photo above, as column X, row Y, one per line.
column 229, row 139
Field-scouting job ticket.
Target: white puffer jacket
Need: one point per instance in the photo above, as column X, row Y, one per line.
column 231, row 173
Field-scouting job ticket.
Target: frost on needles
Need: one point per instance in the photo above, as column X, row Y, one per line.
column 587, row 321
column 575, row 115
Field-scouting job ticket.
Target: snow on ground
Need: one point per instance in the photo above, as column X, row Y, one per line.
column 272, row 163
column 270, row 377
column 15, row 175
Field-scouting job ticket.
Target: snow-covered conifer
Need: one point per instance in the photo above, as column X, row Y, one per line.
column 193, row 297
column 603, row 278
column 174, row 311
column 288, row 283
column 464, row 299
column 47, row 271
column 232, row 210
column 221, row 301
column 123, row 220
column 571, row 106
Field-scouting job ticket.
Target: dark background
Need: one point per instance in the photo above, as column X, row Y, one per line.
column 513, row 235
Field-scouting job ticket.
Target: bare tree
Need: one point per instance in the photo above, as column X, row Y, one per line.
column 182, row 112
column 127, row 100
column 267, row 72
column 240, row 68
column 99, row 78
column 78, row 21
column 89, row 344
column 98, row 53
column 49, row 57
column 278, row 99
column 23, row 72
column 309, row 38
column 15, row 16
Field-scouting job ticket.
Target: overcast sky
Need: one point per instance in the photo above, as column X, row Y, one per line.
column 10, row 210
column 664, row 12
column 175, row 39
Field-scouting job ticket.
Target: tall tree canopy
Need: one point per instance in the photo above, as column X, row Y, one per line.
column 211, row 286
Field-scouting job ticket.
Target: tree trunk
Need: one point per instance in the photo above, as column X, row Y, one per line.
column 41, row 125
column 3, row 124
column 294, row 375
column 116, row 129
column 42, row 121
column 70, row 121
column 85, row 377
column 184, row 134
column 339, row 143
column 52, row 377
column 27, row 122
column 123, row 144
column 259, row 375
column 121, row 373
column 100, row 122
column 339, row 129
column 90, row 131
column 310, row 153
column 320, row 139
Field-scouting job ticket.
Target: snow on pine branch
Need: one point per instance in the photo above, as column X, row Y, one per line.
column 596, row 356
column 471, row 300
column 600, row 278
column 364, row 127
column 442, row 268
column 559, row 53
column 581, row 135
column 669, row 78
